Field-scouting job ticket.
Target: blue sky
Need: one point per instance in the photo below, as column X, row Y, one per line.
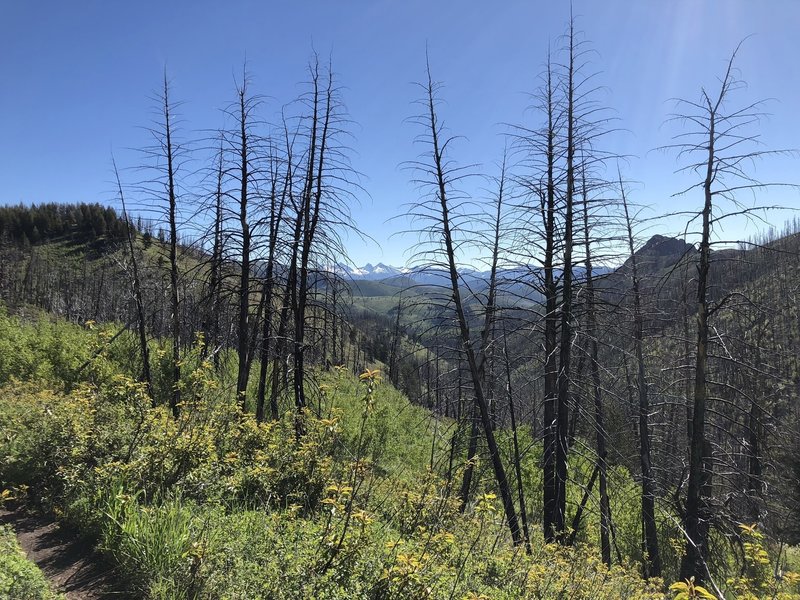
column 77, row 77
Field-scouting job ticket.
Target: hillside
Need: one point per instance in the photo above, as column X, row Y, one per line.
column 382, row 486
column 350, row 510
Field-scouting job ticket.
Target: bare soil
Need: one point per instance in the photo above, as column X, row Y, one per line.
column 69, row 563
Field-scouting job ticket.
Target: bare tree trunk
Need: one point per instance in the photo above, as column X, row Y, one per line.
column 486, row 343
column 587, row 492
column 696, row 517
column 550, row 485
column 175, row 399
column 651, row 563
column 523, row 511
column 472, row 450
column 565, row 347
column 312, row 196
column 137, row 294
column 280, row 347
column 466, row 341
column 243, row 328
column 591, row 334
column 215, row 278
column 717, row 142
column 275, row 218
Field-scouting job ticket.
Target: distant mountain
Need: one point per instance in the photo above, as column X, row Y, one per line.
column 369, row 271
column 520, row 285
column 429, row 275
column 660, row 252
column 654, row 260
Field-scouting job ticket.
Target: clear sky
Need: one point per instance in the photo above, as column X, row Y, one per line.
column 77, row 76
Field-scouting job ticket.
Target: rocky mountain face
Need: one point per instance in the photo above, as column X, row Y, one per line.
column 660, row 252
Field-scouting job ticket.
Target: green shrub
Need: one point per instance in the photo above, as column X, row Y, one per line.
column 58, row 354
column 20, row 579
column 212, row 504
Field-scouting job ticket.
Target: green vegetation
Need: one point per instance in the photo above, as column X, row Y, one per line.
column 20, row 579
column 215, row 505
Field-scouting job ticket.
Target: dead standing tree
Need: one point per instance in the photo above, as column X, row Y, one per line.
column 552, row 155
column 540, row 152
column 486, row 335
column 216, row 262
column 137, row 290
column 279, row 367
column 718, row 148
column 243, row 143
column 319, row 198
column 161, row 194
column 591, row 332
column 651, row 562
column 438, row 208
column 278, row 191
column 320, row 102
column 172, row 202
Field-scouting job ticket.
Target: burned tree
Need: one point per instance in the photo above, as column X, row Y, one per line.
column 718, row 147
column 141, row 324
column 437, row 176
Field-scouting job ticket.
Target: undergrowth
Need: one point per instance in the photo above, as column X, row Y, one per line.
column 20, row 579
column 215, row 505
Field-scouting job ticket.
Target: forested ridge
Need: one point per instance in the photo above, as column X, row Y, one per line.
column 190, row 382
column 27, row 225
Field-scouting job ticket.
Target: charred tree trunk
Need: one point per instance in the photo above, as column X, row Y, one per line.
column 175, row 317
column 565, row 345
column 215, row 277
column 523, row 510
column 243, row 327
column 310, row 214
column 550, row 486
column 465, row 337
column 275, row 218
column 591, row 334
column 651, row 563
column 137, row 295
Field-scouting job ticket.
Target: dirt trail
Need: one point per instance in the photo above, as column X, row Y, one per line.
column 71, row 565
